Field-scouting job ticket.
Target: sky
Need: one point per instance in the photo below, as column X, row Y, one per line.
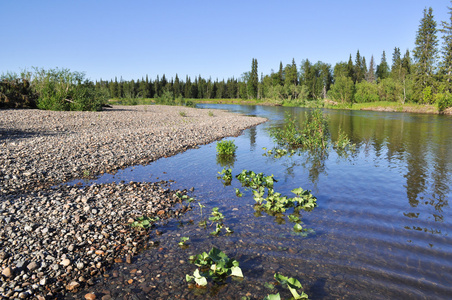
column 216, row 38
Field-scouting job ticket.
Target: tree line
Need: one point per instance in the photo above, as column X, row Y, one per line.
column 422, row 76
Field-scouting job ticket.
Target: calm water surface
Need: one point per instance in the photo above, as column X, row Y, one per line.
column 382, row 225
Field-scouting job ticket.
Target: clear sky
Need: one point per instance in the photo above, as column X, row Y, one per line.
column 212, row 38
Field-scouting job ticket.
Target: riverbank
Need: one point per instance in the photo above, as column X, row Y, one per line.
column 56, row 239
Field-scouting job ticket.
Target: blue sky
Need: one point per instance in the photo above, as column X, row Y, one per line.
column 213, row 38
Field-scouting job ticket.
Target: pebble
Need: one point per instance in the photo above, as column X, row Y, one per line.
column 53, row 235
column 90, row 296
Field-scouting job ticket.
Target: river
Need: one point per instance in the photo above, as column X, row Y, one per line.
column 380, row 231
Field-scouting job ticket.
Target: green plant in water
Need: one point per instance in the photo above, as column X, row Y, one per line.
column 215, row 265
column 86, row 173
column 226, row 148
column 290, row 283
column 216, row 215
column 343, row 142
column 313, row 134
column 183, row 241
column 144, row 222
column 226, row 176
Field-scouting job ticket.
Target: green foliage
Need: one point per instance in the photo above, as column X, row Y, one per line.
column 168, row 98
column 342, row 90
column 16, row 93
column 144, row 222
column 217, row 217
column 366, row 92
column 226, row 176
column 61, row 89
column 183, row 241
column 215, row 265
column 313, row 134
column 343, row 142
column 182, row 114
column 443, row 99
column 226, row 148
column 292, row 284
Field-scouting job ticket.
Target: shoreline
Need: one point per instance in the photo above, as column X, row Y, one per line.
column 55, row 240
column 370, row 106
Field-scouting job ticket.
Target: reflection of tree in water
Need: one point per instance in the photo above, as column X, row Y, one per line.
column 226, row 161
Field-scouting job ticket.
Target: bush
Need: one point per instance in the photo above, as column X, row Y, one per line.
column 65, row 90
column 226, row 148
column 366, row 92
column 16, row 93
column 443, row 100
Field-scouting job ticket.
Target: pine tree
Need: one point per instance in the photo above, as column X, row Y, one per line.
column 396, row 68
column 351, row 69
column 281, row 73
column 359, row 74
column 370, row 75
column 406, row 62
column 425, row 55
column 383, row 68
column 253, row 80
column 177, row 86
column 446, row 62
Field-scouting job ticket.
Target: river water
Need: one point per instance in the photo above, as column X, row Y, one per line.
column 381, row 229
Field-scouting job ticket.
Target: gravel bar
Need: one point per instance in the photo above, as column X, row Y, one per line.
column 54, row 238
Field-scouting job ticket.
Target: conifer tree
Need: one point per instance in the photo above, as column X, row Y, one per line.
column 253, row 80
column 396, row 68
column 351, row 69
column 406, row 62
column 359, row 74
column 370, row 74
column 281, row 73
column 383, row 68
column 425, row 55
column 446, row 61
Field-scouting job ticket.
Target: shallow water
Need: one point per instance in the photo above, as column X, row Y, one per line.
column 381, row 227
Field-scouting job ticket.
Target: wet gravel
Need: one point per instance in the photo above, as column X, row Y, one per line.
column 54, row 238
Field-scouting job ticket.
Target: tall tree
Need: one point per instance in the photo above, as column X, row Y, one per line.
column 383, row 68
column 351, row 69
column 396, row 68
column 281, row 73
column 425, row 55
column 253, row 80
column 359, row 69
column 446, row 51
column 370, row 75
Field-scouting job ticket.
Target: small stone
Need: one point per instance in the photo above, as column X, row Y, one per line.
column 129, row 259
column 65, row 262
column 72, row 285
column 32, row 266
column 7, row 272
column 90, row 296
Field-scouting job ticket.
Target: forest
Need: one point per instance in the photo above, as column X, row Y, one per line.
column 421, row 76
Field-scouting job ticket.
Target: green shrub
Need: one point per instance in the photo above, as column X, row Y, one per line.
column 16, row 92
column 226, row 148
column 65, row 90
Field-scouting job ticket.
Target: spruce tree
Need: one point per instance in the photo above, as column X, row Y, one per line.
column 370, row 74
column 383, row 68
column 425, row 55
column 359, row 75
column 446, row 61
column 396, row 68
column 351, row 69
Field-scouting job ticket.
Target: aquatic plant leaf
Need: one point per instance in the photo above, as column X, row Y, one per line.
column 236, row 271
column 199, row 279
column 273, row 297
column 298, row 227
